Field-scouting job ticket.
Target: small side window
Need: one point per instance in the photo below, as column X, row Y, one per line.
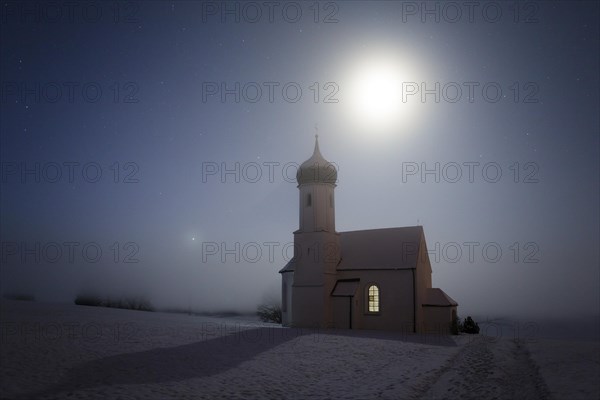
column 373, row 299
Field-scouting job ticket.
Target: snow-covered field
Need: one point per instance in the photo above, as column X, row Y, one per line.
column 51, row 351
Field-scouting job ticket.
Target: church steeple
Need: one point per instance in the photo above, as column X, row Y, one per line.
column 316, row 150
column 316, row 245
column 316, row 182
column 316, row 169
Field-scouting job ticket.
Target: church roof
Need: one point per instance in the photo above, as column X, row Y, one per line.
column 436, row 297
column 388, row 248
column 316, row 169
column 289, row 267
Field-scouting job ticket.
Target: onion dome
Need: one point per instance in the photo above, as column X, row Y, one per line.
column 316, row 169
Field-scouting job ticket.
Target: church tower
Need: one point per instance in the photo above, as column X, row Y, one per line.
column 316, row 179
column 316, row 245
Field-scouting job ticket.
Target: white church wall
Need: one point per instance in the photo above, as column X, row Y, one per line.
column 396, row 299
column 437, row 320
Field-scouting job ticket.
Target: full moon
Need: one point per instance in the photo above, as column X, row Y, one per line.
column 374, row 92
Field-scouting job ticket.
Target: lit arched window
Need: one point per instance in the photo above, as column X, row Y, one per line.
column 373, row 298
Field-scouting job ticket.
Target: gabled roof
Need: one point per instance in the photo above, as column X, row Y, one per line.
column 389, row 248
column 436, row 297
column 289, row 267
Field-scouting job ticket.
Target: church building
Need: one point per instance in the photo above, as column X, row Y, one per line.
column 370, row 279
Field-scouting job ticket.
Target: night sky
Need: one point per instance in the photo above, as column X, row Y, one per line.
column 166, row 136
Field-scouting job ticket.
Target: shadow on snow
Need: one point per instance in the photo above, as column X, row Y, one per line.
column 208, row 357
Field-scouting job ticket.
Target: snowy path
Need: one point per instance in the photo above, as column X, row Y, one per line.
column 490, row 369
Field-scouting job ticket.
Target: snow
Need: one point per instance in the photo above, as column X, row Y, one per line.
column 63, row 351
column 571, row 369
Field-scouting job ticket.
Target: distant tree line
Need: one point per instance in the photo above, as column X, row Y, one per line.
column 129, row 303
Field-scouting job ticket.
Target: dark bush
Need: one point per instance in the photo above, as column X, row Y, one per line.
column 467, row 326
column 269, row 313
column 470, row 326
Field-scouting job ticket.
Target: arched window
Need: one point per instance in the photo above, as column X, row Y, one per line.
column 373, row 293
column 308, row 200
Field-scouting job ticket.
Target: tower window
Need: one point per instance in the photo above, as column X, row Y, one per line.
column 330, row 200
column 308, row 200
column 373, row 302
